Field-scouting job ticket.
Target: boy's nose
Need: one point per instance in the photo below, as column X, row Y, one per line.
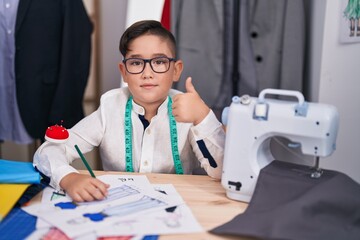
column 148, row 72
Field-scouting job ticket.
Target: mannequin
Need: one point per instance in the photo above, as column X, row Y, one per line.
column 51, row 43
column 271, row 46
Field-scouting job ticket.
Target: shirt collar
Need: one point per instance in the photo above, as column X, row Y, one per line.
column 141, row 110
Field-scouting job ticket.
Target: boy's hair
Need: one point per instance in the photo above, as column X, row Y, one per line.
column 140, row 28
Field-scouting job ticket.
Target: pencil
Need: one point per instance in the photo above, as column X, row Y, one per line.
column 85, row 162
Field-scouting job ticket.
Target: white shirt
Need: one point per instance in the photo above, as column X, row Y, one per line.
column 151, row 148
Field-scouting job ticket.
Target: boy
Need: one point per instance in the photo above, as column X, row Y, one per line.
column 145, row 127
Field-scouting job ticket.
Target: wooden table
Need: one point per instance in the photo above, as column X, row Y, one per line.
column 206, row 198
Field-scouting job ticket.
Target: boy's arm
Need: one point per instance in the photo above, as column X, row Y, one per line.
column 54, row 159
column 207, row 135
column 51, row 160
column 208, row 141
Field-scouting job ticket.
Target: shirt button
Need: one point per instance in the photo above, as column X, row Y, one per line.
column 7, row 5
column 148, row 131
column 196, row 132
column 254, row 34
column 145, row 163
column 259, row 58
column 9, row 31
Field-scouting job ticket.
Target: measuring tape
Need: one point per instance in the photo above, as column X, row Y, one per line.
column 128, row 136
column 173, row 137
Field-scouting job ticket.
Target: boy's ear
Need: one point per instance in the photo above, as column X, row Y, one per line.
column 122, row 71
column 178, row 68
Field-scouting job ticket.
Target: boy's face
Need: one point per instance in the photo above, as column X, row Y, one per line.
column 148, row 87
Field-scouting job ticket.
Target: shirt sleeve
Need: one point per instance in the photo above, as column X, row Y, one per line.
column 54, row 159
column 208, row 141
column 49, row 159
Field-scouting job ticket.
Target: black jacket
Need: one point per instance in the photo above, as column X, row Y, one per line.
column 53, row 46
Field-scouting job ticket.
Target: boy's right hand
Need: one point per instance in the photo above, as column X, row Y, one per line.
column 83, row 188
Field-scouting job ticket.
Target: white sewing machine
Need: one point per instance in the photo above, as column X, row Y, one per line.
column 251, row 122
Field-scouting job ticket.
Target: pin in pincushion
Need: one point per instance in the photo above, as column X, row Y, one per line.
column 56, row 134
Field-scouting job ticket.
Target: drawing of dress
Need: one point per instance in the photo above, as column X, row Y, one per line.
column 352, row 13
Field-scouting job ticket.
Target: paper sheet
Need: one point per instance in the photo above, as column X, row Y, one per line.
column 174, row 220
column 152, row 210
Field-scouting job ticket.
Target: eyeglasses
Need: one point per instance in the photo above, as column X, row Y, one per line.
column 157, row 64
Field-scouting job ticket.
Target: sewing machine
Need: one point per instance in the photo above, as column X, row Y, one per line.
column 252, row 122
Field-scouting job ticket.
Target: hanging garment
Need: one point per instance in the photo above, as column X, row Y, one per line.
column 277, row 30
column 236, row 50
column 165, row 16
column 53, row 45
column 198, row 28
column 271, row 46
column 11, row 126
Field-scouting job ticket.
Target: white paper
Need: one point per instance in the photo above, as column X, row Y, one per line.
column 134, row 197
column 179, row 221
column 155, row 220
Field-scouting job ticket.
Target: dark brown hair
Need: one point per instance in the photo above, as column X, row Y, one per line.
column 140, row 28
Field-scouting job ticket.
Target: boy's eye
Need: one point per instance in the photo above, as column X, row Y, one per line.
column 159, row 61
column 136, row 62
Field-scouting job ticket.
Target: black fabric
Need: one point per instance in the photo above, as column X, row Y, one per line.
column 29, row 193
column 206, row 153
column 144, row 121
column 52, row 62
column 289, row 204
column 33, row 189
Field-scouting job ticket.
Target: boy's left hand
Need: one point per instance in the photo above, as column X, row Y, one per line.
column 189, row 107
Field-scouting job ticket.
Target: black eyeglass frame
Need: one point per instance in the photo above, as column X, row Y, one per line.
column 148, row 60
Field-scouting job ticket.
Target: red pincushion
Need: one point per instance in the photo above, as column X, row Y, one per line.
column 56, row 134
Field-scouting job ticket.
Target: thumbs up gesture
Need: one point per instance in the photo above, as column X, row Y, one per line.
column 189, row 107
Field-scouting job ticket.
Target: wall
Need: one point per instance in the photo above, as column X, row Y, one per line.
column 115, row 17
column 112, row 19
column 335, row 79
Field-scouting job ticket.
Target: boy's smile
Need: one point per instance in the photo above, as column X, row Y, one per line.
column 150, row 89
